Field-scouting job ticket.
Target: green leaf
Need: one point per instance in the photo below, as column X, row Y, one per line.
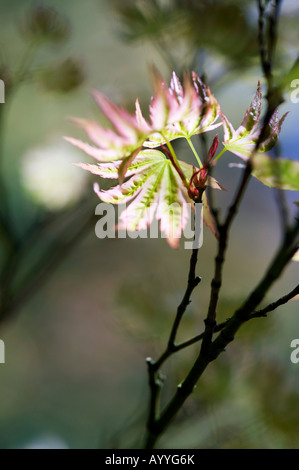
column 154, row 188
column 242, row 141
column 286, row 80
column 280, row 173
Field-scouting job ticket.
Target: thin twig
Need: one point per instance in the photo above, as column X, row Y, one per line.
column 226, row 335
column 155, row 382
column 281, row 200
column 273, row 100
column 274, row 305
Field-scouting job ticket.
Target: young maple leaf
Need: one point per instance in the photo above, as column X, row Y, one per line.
column 242, row 141
column 181, row 111
column 129, row 135
column 154, row 189
column 177, row 111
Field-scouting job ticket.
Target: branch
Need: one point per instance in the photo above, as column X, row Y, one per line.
column 210, row 349
column 227, row 334
column 273, row 99
column 274, row 305
column 155, row 382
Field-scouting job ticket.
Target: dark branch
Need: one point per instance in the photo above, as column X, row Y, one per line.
column 274, row 305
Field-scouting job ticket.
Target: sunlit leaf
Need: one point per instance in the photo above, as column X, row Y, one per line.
column 181, row 111
column 242, row 141
column 280, row 173
column 154, row 189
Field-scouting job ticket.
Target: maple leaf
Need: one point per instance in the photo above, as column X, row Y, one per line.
column 153, row 189
column 280, row 173
column 175, row 111
column 128, row 136
column 242, row 141
column 181, row 111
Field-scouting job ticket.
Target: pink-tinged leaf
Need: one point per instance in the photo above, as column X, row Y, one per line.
column 153, row 189
column 97, row 153
column 104, row 138
column 159, row 106
column 208, row 217
column 273, row 131
column 123, row 122
column 124, row 193
column 142, row 123
column 242, row 141
column 252, row 115
column 228, row 130
column 146, row 164
column 176, row 87
column 181, row 111
column 184, row 104
column 213, row 183
column 105, row 170
column 144, row 160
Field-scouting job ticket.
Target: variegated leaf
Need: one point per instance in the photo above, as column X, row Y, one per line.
column 280, row 173
column 181, row 111
column 242, row 141
column 155, row 189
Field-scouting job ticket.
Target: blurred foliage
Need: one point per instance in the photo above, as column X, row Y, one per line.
column 29, row 249
column 191, row 34
column 42, row 23
column 64, row 77
column 192, row 27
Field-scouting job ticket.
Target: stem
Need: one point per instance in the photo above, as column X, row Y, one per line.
column 155, row 381
column 274, row 305
column 176, row 165
column 220, row 154
column 194, row 152
column 193, row 281
column 173, row 154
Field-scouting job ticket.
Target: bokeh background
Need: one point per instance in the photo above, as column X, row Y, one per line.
column 76, row 342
